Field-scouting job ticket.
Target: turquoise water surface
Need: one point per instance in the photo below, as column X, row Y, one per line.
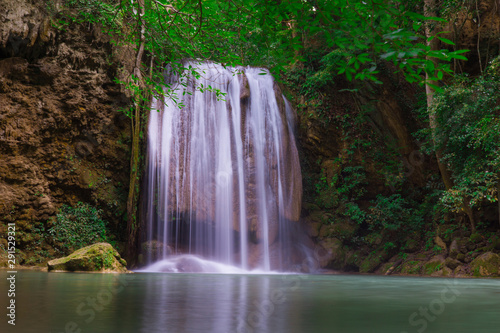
column 156, row 302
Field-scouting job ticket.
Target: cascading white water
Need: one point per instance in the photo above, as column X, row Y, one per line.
column 223, row 175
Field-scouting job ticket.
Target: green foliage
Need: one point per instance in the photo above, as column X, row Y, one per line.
column 357, row 36
column 324, row 39
column 361, row 35
column 389, row 246
column 105, row 12
column 76, row 227
column 342, row 192
column 468, row 134
column 429, row 236
column 411, row 267
column 394, row 213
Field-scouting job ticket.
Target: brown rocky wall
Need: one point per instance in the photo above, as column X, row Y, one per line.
column 62, row 138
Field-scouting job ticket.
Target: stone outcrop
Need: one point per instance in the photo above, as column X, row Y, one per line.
column 62, row 138
column 100, row 257
column 486, row 265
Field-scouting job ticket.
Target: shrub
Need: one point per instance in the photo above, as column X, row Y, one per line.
column 76, row 227
column 394, row 213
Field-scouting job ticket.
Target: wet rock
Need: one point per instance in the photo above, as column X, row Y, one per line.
column 469, row 257
column 96, row 257
column 439, row 242
column 333, row 255
column 155, row 250
column 370, row 263
column 244, row 88
column 411, row 267
column 313, row 228
column 57, row 122
column 454, row 249
column 435, row 264
column 452, row 263
column 445, row 271
column 461, row 271
column 487, row 264
column 344, row 229
column 325, row 231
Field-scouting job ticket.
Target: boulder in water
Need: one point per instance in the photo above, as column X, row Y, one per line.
column 97, row 257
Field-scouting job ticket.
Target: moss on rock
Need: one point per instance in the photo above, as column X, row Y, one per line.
column 371, row 262
column 435, row 264
column 335, row 253
column 487, row 264
column 96, row 257
column 344, row 228
column 411, row 267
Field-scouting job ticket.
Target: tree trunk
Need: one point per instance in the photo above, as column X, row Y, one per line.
column 430, row 7
column 132, row 224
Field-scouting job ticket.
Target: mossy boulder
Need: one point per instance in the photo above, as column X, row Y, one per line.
column 325, row 231
column 445, row 271
column 476, row 238
column 334, row 255
column 370, row 263
column 487, row 264
column 344, row 228
column 411, row 267
column 92, row 258
column 435, row 264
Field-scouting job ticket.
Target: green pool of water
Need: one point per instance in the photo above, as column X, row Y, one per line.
column 154, row 302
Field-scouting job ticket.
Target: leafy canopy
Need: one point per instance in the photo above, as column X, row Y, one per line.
column 357, row 34
column 468, row 116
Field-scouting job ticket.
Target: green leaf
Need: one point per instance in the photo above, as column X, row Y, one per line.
column 388, row 55
column 437, row 19
column 444, row 40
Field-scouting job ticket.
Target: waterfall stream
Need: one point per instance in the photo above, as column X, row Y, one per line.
column 223, row 174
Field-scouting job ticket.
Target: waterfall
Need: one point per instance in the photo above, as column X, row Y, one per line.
column 223, row 174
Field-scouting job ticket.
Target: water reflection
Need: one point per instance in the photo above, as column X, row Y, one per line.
column 221, row 304
column 156, row 302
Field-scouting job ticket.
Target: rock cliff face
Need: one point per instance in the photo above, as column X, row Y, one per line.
column 62, row 138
